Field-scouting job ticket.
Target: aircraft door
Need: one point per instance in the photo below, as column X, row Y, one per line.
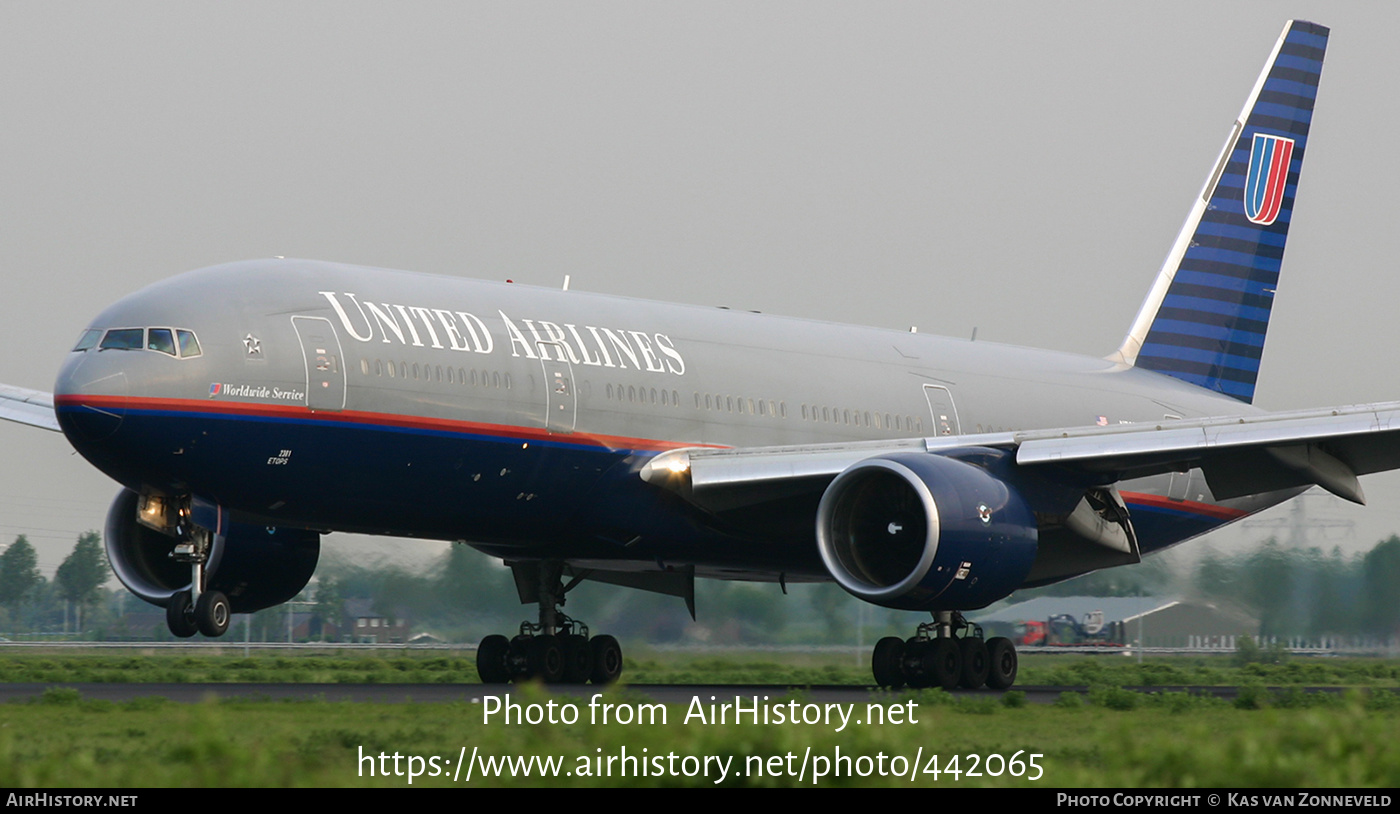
column 940, row 406
column 561, row 403
column 325, row 368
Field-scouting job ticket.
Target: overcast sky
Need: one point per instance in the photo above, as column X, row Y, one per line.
column 1019, row 168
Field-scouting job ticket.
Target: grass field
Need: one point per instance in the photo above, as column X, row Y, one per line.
column 651, row 667
column 1277, row 737
column 1150, row 741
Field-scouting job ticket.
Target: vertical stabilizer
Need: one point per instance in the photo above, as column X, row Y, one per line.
column 1205, row 318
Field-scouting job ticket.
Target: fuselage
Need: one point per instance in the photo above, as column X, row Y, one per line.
column 513, row 417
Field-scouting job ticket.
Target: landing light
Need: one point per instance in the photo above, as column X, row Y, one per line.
column 667, row 469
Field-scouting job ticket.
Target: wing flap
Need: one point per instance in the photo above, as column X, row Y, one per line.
column 32, row 407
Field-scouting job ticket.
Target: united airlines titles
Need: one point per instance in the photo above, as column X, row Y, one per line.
column 453, row 330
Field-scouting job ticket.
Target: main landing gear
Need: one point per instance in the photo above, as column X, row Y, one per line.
column 948, row 652
column 557, row 649
column 197, row 610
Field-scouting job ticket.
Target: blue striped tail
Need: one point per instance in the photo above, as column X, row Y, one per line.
column 1204, row 321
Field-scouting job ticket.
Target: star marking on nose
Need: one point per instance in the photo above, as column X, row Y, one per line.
column 253, row 344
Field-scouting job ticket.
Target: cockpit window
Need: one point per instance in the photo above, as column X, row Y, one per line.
column 88, row 340
column 161, row 339
column 124, row 339
column 189, row 345
column 170, row 341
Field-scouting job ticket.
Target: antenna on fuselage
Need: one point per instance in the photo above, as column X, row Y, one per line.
column 566, row 282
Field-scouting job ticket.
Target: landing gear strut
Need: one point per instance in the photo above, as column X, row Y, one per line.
column 948, row 652
column 196, row 610
column 555, row 650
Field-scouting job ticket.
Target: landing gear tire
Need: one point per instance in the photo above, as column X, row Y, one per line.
column 179, row 615
column 607, row 659
column 886, row 662
column 518, row 658
column 491, row 657
column 975, row 664
column 943, row 663
column 913, row 664
column 1001, row 657
column 578, row 659
column 212, row 614
column 546, row 659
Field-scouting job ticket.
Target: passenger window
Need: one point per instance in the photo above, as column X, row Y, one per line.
column 124, row 339
column 189, row 345
column 88, row 340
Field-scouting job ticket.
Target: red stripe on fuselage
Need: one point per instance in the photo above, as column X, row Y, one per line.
column 237, row 409
column 1189, row 506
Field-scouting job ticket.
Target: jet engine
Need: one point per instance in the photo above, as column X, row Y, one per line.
column 927, row 532
column 256, row 567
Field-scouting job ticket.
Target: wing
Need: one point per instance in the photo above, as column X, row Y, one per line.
column 1239, row 455
column 32, row 407
column 978, row 504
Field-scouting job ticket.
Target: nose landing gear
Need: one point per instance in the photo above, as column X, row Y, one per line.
column 197, row 610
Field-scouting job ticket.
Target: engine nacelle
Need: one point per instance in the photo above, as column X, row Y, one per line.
column 920, row 531
column 256, row 567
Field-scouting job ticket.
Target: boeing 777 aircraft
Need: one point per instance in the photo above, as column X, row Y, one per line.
column 249, row 408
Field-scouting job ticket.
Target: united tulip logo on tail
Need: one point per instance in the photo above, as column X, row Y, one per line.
column 1269, row 160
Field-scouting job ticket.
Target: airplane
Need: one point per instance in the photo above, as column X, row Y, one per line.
column 247, row 409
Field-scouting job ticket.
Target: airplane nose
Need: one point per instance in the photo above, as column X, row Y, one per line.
column 91, row 399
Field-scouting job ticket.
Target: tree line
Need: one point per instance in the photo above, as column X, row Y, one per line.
column 28, row 599
column 465, row 595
